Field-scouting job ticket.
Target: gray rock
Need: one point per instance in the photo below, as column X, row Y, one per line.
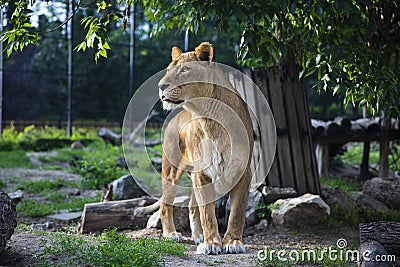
column 262, row 225
column 304, row 211
column 181, row 215
column 66, row 216
column 126, row 187
column 386, row 191
column 8, row 219
column 254, row 200
column 76, row 145
column 367, row 202
column 16, row 196
column 272, row 194
column 335, row 196
column 373, row 249
column 47, row 226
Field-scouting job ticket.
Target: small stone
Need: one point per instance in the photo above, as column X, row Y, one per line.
column 47, row 226
column 76, row 145
column 16, row 196
column 262, row 225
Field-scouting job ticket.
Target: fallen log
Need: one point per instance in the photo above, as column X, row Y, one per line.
column 319, row 127
column 102, row 215
column 385, row 233
column 109, row 136
column 344, row 123
column 371, row 125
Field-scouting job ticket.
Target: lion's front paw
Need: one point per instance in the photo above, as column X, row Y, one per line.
column 209, row 248
column 234, row 246
column 197, row 238
column 175, row 236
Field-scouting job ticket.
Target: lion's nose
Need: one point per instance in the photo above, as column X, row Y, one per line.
column 163, row 86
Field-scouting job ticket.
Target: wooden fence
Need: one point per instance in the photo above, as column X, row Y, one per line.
column 20, row 125
column 294, row 164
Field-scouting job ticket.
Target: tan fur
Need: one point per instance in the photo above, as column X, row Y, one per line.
column 194, row 142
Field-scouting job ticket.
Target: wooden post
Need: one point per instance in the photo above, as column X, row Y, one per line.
column 384, row 149
column 364, row 168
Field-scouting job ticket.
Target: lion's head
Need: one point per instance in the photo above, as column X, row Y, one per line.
column 184, row 74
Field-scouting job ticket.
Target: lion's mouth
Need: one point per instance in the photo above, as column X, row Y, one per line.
column 166, row 99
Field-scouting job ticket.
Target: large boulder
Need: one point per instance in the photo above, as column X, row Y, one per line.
column 8, row 219
column 386, row 191
column 335, row 196
column 255, row 198
column 307, row 210
column 367, row 202
column 126, row 187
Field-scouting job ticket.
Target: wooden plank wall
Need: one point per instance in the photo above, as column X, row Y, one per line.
column 294, row 163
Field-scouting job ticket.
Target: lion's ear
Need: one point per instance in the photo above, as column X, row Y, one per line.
column 205, row 52
column 176, row 52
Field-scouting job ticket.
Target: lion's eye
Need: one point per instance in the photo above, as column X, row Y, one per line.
column 184, row 69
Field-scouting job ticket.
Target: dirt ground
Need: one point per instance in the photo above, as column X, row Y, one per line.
column 24, row 247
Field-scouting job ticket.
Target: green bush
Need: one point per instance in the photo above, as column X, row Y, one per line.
column 99, row 165
column 43, row 139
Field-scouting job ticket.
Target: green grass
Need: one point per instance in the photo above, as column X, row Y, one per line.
column 53, row 203
column 354, row 154
column 109, row 249
column 43, row 186
column 346, row 184
column 14, row 159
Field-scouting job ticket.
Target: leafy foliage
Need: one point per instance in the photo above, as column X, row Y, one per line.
column 20, row 34
column 99, row 166
column 351, row 46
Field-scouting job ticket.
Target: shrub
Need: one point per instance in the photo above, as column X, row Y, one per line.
column 43, row 139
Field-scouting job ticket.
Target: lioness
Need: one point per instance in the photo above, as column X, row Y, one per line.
column 212, row 140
